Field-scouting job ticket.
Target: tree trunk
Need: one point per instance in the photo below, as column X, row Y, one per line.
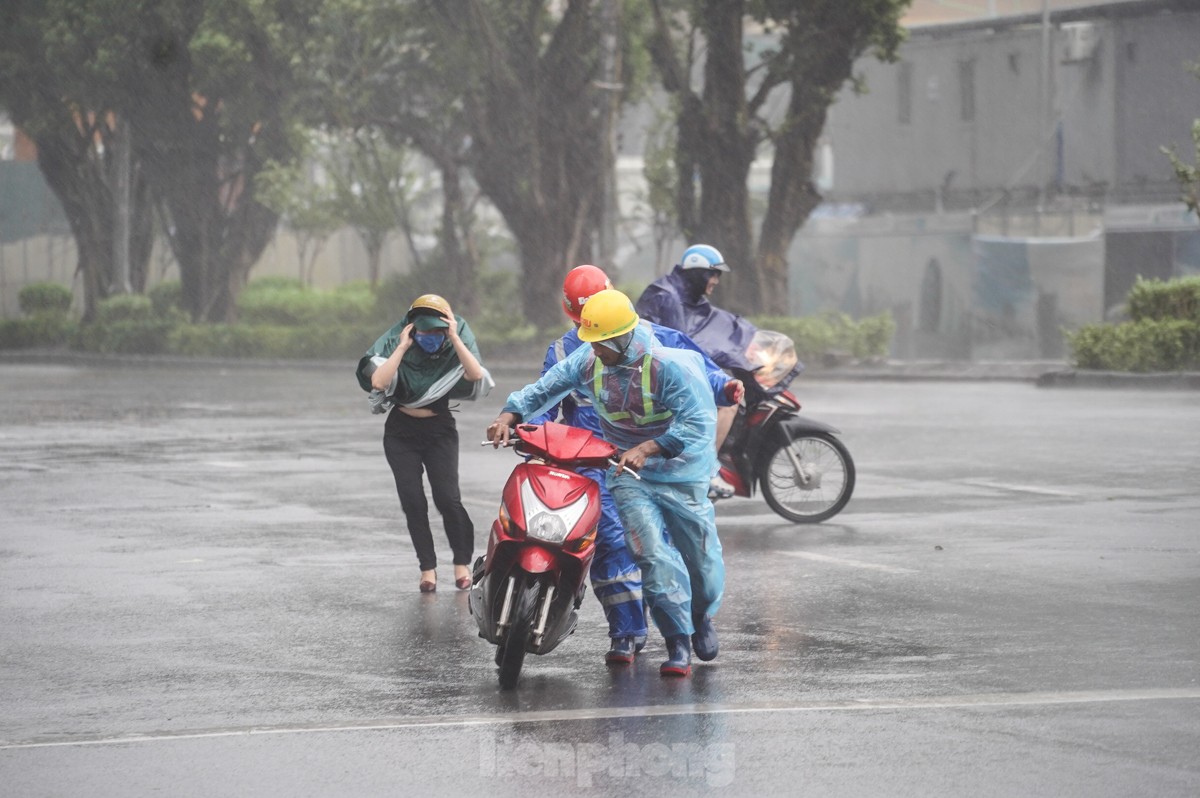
column 78, row 179
column 726, row 151
column 818, row 43
column 203, row 172
column 455, row 237
column 535, row 145
column 792, row 198
column 374, row 246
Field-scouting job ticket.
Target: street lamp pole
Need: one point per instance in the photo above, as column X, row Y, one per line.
column 1045, row 92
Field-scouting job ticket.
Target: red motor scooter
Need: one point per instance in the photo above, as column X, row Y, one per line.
column 526, row 591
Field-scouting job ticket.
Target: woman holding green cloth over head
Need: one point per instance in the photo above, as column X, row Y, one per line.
column 428, row 358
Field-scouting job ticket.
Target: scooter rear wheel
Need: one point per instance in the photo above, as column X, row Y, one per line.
column 512, row 654
column 816, row 493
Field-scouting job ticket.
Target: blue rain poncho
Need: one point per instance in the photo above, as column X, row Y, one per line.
column 615, row 577
column 723, row 335
column 577, row 409
column 654, row 393
column 659, row 394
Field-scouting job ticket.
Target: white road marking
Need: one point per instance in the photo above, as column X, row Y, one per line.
column 761, row 519
column 825, row 558
column 970, row 701
column 988, row 483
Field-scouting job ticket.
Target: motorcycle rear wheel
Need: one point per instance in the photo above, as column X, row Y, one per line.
column 826, row 460
column 512, row 654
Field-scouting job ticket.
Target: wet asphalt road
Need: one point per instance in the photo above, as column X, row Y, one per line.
column 206, row 589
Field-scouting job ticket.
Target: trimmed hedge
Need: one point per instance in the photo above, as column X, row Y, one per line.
column 43, row 328
column 45, row 296
column 295, row 305
column 280, row 318
column 1158, row 300
column 166, row 299
column 1164, row 334
column 273, row 341
column 47, row 320
column 1139, row 346
column 834, row 336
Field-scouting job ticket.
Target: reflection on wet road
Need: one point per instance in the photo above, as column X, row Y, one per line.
column 203, row 566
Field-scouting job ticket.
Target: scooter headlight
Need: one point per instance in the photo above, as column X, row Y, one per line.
column 548, row 527
column 551, row 526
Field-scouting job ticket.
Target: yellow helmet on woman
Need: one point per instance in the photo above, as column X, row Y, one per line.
column 605, row 315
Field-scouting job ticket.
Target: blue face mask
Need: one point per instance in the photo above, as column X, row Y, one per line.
column 429, row 341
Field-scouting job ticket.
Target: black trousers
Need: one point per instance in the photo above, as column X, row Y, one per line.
column 433, row 450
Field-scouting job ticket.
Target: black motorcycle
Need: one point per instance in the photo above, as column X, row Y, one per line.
column 804, row 470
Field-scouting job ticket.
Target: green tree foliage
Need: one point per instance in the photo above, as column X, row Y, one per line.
column 1188, row 175
column 381, row 68
column 370, row 185
column 511, row 92
column 726, row 89
column 210, row 91
column 307, row 204
column 213, row 96
column 56, row 85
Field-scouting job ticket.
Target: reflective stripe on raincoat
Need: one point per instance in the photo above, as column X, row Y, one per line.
column 654, row 393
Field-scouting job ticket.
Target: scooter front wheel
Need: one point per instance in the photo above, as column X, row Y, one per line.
column 808, row 479
column 512, row 654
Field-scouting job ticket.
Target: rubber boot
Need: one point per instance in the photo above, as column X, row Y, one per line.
column 704, row 641
column 622, row 651
column 679, row 657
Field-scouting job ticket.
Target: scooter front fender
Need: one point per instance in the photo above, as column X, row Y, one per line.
column 794, row 426
column 536, row 560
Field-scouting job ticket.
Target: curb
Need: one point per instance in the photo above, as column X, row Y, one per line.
column 1043, row 374
column 1071, row 378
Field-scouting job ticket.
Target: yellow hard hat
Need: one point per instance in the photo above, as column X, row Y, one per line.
column 606, row 315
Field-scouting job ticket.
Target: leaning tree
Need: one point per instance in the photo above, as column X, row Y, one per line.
column 733, row 100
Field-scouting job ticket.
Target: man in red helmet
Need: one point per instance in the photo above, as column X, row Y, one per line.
column 615, row 577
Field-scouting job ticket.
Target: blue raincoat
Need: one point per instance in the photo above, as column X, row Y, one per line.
column 659, row 394
column 615, row 577
column 723, row 335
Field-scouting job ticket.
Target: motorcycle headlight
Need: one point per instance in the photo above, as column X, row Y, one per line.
column 548, row 527
column 543, row 523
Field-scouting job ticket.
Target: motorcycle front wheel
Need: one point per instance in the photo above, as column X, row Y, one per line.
column 512, row 654
column 809, row 479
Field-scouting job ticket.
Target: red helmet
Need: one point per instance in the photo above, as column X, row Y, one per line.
column 579, row 286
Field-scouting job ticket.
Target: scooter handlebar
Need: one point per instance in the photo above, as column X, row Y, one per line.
column 611, row 461
column 627, row 469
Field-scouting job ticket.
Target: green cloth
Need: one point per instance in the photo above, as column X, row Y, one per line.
column 424, row 377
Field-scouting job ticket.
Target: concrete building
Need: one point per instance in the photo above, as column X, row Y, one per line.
column 1004, row 179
